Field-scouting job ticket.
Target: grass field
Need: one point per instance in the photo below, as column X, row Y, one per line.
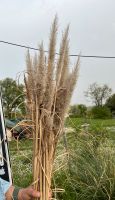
column 21, row 155
column 96, row 125
column 77, row 122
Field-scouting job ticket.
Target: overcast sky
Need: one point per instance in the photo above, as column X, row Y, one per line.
column 92, row 32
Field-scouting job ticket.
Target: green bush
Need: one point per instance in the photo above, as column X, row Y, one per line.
column 110, row 103
column 101, row 112
column 79, row 110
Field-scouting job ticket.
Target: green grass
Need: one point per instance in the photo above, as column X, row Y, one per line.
column 21, row 162
column 23, row 144
column 94, row 125
column 90, row 173
column 77, row 122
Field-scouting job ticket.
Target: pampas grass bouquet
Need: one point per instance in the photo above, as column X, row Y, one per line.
column 49, row 86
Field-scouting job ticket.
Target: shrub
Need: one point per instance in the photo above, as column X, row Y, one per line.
column 73, row 111
column 101, row 112
column 110, row 103
column 78, row 110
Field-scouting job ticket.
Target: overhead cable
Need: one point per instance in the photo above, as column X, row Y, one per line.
column 71, row 55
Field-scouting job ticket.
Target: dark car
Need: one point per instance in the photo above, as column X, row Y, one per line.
column 16, row 129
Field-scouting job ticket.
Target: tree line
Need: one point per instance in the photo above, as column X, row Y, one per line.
column 101, row 96
column 103, row 103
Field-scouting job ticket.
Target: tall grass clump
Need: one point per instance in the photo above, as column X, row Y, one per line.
column 49, row 86
column 90, row 174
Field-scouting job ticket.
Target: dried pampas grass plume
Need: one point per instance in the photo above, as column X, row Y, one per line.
column 49, row 88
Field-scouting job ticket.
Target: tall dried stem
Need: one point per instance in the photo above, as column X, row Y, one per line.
column 48, row 92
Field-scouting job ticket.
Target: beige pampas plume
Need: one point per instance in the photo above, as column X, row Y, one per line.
column 41, row 75
column 49, row 87
column 50, row 66
column 62, row 56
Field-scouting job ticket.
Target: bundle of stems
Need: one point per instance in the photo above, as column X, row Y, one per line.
column 49, row 86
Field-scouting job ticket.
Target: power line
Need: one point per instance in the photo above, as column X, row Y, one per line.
column 71, row 55
column 84, row 56
column 19, row 45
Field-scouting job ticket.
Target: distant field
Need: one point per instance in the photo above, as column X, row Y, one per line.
column 76, row 122
column 94, row 124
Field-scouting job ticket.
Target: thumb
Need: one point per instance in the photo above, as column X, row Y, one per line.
column 35, row 193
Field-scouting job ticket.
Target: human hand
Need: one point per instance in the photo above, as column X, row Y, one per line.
column 24, row 193
column 28, row 194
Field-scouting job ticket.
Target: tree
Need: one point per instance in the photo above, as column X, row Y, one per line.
column 82, row 110
column 101, row 112
column 110, row 103
column 78, row 110
column 13, row 96
column 73, row 110
column 98, row 94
